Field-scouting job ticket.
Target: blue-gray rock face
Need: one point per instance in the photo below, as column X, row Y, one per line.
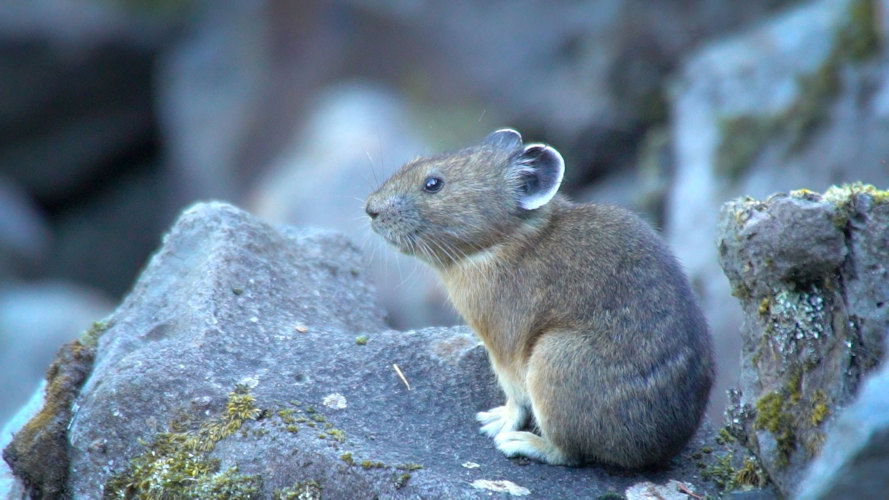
column 855, row 458
column 249, row 359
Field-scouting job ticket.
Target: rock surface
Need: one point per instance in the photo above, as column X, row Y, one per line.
column 855, row 457
column 812, row 274
column 250, row 359
column 801, row 101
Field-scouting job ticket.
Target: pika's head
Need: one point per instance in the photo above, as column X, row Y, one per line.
column 450, row 206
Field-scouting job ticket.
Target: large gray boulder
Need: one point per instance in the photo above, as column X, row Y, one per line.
column 250, row 360
column 812, row 275
column 801, row 101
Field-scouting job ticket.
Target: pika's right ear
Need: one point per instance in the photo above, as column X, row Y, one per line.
column 505, row 138
column 539, row 169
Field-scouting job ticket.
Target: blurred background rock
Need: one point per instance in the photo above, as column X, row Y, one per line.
column 115, row 114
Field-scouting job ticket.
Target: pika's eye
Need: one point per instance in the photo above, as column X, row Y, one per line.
column 432, row 184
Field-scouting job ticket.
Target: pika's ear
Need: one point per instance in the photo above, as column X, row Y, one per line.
column 505, row 138
column 539, row 169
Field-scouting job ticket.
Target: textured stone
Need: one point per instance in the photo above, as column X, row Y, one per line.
column 796, row 102
column 855, row 457
column 811, row 273
column 240, row 343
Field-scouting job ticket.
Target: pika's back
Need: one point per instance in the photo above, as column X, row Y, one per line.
column 603, row 319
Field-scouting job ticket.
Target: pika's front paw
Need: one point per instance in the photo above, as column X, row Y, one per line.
column 500, row 419
column 529, row 445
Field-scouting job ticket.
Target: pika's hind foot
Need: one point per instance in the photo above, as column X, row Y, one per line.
column 509, row 417
column 530, row 445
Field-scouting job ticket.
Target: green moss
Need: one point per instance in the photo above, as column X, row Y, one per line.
column 772, row 416
column 402, row 479
column 177, row 463
column 38, row 452
column 304, row 490
column 721, row 472
column 287, row 415
column 741, row 291
column 347, row 457
column 361, row 340
column 337, row 435
column 820, row 410
column 724, row 437
column 750, row 474
column 409, row 466
column 90, row 338
column 794, row 385
column 372, row 464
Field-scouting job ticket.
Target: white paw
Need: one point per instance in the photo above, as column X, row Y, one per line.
column 497, row 420
column 518, row 443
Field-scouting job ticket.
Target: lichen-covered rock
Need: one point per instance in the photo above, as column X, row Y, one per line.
column 801, row 100
column 38, row 454
column 252, row 361
column 812, row 274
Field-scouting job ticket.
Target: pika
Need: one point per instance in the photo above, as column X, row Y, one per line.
column 588, row 320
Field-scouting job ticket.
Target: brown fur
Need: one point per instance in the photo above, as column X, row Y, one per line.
column 589, row 322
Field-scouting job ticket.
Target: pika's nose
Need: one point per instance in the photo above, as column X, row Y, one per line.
column 371, row 212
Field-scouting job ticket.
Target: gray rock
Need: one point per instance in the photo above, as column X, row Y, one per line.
column 260, row 354
column 855, row 457
column 812, row 274
column 786, row 105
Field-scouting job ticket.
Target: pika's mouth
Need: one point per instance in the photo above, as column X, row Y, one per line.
column 404, row 243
